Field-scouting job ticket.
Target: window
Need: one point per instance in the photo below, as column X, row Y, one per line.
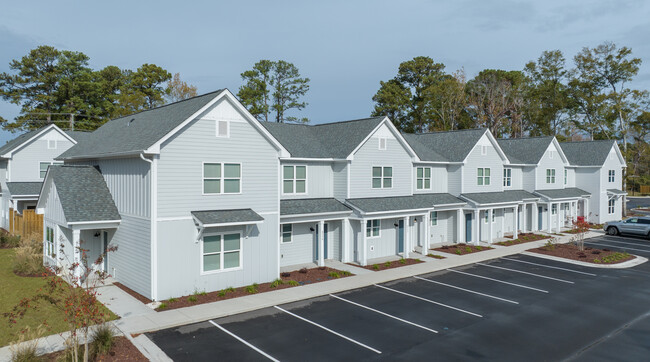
column 565, row 176
column 51, row 144
column 221, row 178
column 287, row 233
column 49, row 242
column 434, row 218
column 487, row 216
column 610, row 206
column 483, row 150
column 554, row 209
column 507, row 177
column 550, row 175
column 423, row 178
column 221, row 252
column 294, row 180
column 483, row 176
column 223, row 129
column 372, row 228
column 382, row 143
column 382, row 177
column 44, row 165
column 550, row 154
column 611, row 175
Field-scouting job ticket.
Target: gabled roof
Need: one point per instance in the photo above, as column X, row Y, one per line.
column 451, row 146
column 527, row 151
column 24, row 188
column 17, row 142
column 330, row 140
column 499, row 197
column 400, row 203
column 566, row 193
column 83, row 194
column 312, row 206
column 219, row 217
column 587, row 153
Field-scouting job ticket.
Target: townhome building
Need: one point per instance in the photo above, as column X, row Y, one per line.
column 23, row 163
column 199, row 195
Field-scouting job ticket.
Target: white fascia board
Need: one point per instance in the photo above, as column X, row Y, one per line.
column 307, row 159
column 46, row 183
column 519, row 165
column 437, row 163
column 458, row 205
column 324, row 214
column 619, row 154
column 494, row 142
column 24, row 197
column 306, row 218
column 106, row 156
column 240, row 223
column 408, row 211
column 560, row 151
column 89, row 225
column 395, row 132
column 94, row 222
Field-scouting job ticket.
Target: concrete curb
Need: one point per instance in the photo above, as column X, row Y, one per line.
column 638, row 260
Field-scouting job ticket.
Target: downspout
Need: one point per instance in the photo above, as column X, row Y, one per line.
column 153, row 174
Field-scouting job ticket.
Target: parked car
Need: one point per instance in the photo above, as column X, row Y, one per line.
column 633, row 225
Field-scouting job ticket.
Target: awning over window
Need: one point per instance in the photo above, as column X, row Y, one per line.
column 217, row 218
column 616, row 192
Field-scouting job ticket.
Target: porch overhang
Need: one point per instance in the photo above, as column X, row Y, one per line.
column 559, row 195
column 307, row 210
column 24, row 191
column 404, row 205
column 498, row 199
column 94, row 224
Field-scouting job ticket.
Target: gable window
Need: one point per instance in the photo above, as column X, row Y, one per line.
column 423, row 178
column 221, row 178
column 51, row 144
column 294, row 179
column 382, row 143
column 507, row 177
column 49, row 242
column 382, row 177
column 550, row 154
column 550, row 175
column 42, row 167
column 611, row 176
column 565, row 176
column 372, row 228
column 483, row 150
column 287, row 233
column 221, row 252
column 434, row 218
column 610, row 206
column 483, row 175
column 223, row 129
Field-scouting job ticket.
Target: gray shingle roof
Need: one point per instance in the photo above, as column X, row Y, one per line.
column 83, row 193
column 617, row 192
column 211, row 217
column 137, row 132
column 329, row 140
column 569, row 192
column 24, row 188
column 312, row 206
column 452, row 146
column 78, row 135
column 587, row 153
column 14, row 143
column 525, row 150
column 396, row 203
column 499, row 196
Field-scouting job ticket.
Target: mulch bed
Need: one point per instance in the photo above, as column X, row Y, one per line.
column 43, row 273
column 292, row 279
column 523, row 238
column 133, row 293
column 590, row 255
column 122, row 350
column 390, row 264
column 462, row 249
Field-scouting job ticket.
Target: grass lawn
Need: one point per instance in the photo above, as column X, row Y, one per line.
column 13, row 288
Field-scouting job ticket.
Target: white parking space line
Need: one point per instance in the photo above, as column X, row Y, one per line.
column 607, row 240
column 527, row 273
column 244, row 342
column 428, row 300
column 384, row 314
column 329, row 330
column 467, row 290
column 552, row 267
column 641, row 241
column 616, row 246
column 498, row 281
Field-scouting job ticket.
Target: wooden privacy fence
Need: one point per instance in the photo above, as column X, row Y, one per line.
column 25, row 224
column 645, row 189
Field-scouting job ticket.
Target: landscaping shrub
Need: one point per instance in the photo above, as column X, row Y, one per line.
column 192, row 298
column 276, row 283
column 25, row 348
column 387, row 264
column 334, row 275
column 172, row 300
column 9, row 241
column 376, row 267
column 293, row 283
column 345, row 273
column 458, row 251
column 252, row 289
column 103, row 337
column 402, row 261
column 28, row 259
column 162, row 306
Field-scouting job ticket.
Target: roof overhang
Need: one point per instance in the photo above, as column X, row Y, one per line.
column 315, row 217
column 92, row 225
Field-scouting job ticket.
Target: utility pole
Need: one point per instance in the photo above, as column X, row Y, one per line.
column 72, row 121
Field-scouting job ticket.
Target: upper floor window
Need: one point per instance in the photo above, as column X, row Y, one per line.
column 223, row 129
column 372, row 228
column 507, row 177
column 610, row 206
column 565, row 176
column 287, row 233
column 423, row 178
column 382, row 143
column 294, row 179
column 382, row 177
column 483, row 175
column 51, row 144
column 221, row 178
column 434, row 218
column 550, row 175
column 42, row 167
column 221, row 252
column 611, row 176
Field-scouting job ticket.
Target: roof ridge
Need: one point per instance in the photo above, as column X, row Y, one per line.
column 523, row 138
column 567, row 142
column 169, row 104
column 455, row 130
column 348, row 121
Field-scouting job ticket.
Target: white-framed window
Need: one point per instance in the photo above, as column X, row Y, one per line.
column 50, row 248
column 372, row 228
column 382, row 177
column 434, row 218
column 551, row 154
column 566, row 177
column 611, row 176
column 507, row 177
column 221, row 252
column 486, row 219
column 550, row 175
column 294, row 179
column 42, row 167
column 483, row 150
column 221, row 178
column 51, row 144
column 494, row 216
column 222, row 128
column 554, row 209
column 483, row 175
column 423, row 178
column 287, row 233
column 610, row 206
column 382, row 141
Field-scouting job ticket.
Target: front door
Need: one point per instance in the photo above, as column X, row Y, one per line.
column 540, row 218
column 104, row 250
column 400, row 236
column 324, row 241
column 468, row 227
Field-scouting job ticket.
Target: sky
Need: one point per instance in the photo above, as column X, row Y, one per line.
column 345, row 47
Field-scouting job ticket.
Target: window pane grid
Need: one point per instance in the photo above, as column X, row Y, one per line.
column 294, row 179
column 423, row 178
column 220, row 178
column 483, row 176
column 221, row 252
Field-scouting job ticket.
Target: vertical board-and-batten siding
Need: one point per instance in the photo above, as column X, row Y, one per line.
column 547, row 162
column 54, row 212
column 476, row 160
column 340, row 180
column 302, row 248
column 319, row 180
column 455, row 179
column 131, row 263
column 25, row 161
column 528, row 179
column 369, row 155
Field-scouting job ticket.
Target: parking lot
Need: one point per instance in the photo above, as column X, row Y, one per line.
column 513, row 308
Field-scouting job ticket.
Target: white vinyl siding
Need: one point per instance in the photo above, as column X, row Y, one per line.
column 294, row 179
column 25, row 161
column 382, row 177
